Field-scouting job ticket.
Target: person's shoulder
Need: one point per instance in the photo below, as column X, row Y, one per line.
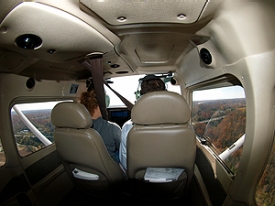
column 114, row 125
column 127, row 124
column 107, row 123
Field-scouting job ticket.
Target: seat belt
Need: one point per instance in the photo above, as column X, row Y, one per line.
column 95, row 66
column 124, row 100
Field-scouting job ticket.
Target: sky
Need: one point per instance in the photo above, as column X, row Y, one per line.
column 231, row 92
column 125, row 86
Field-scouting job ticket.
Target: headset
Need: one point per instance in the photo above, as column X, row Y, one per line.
column 90, row 86
column 168, row 77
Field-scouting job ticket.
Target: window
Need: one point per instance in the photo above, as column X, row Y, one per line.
column 2, row 155
column 219, row 119
column 127, row 86
column 32, row 126
column 265, row 192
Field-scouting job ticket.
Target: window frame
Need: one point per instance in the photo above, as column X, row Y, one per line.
column 3, row 152
column 38, row 100
column 220, row 169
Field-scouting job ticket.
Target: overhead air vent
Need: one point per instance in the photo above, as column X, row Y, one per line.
column 28, row 41
column 206, row 56
column 30, row 83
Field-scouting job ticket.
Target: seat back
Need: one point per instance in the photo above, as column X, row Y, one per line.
column 83, row 151
column 161, row 137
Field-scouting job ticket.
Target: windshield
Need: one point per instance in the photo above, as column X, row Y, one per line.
column 127, row 87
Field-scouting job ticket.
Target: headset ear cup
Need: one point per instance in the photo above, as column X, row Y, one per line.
column 107, row 100
column 137, row 93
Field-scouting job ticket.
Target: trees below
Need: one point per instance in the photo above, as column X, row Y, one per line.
column 26, row 141
column 221, row 122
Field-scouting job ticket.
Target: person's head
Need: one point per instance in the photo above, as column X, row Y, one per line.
column 88, row 99
column 151, row 83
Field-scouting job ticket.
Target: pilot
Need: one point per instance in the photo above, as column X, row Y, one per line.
column 109, row 131
column 150, row 83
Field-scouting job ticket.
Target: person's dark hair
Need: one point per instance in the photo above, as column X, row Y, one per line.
column 88, row 99
column 151, row 83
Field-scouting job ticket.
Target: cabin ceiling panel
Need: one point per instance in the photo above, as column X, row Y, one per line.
column 114, row 64
column 151, row 39
column 67, row 35
column 50, row 71
column 154, row 52
column 192, row 69
column 156, row 49
column 7, row 6
column 73, row 69
column 11, row 61
column 150, row 11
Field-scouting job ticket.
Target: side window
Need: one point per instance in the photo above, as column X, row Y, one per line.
column 219, row 119
column 32, row 126
column 265, row 192
column 2, row 155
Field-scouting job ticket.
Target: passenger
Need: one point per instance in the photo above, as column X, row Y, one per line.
column 150, row 83
column 109, row 131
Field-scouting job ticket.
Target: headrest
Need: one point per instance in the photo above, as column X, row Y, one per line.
column 161, row 107
column 72, row 115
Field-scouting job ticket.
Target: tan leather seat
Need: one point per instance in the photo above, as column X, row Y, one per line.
column 83, row 151
column 161, row 137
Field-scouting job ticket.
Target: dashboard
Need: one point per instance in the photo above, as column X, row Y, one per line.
column 119, row 115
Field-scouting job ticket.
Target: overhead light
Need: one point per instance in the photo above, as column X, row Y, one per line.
column 181, row 16
column 121, row 19
column 114, row 66
column 51, row 51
